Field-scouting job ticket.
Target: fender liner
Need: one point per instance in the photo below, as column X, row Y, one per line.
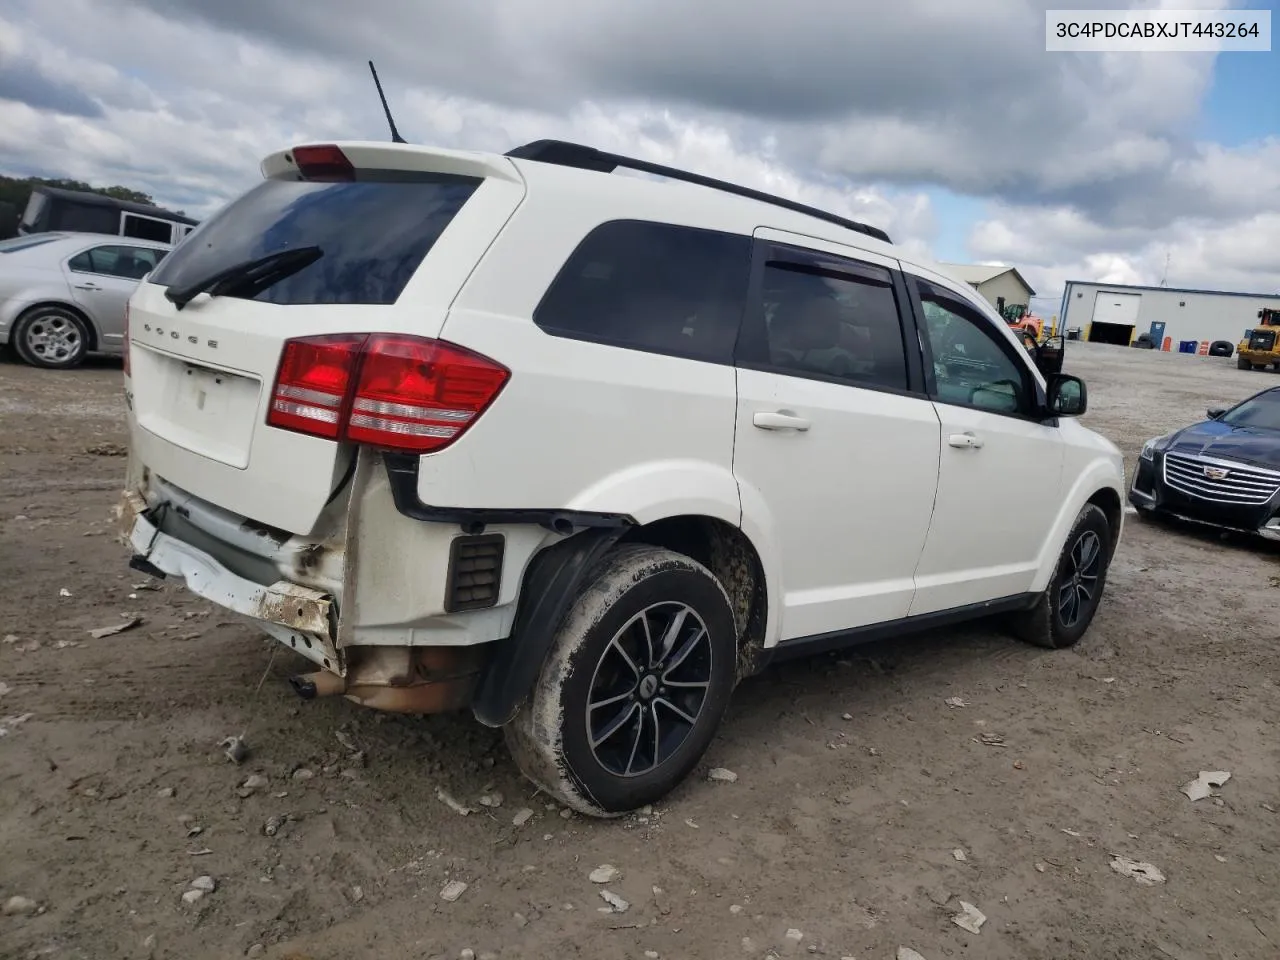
column 550, row 586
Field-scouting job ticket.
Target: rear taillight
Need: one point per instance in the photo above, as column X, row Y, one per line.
column 324, row 163
column 126, row 338
column 313, row 382
column 390, row 391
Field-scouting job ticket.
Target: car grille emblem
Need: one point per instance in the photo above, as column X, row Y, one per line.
column 1215, row 473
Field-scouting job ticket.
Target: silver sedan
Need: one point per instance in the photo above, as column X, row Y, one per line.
column 63, row 295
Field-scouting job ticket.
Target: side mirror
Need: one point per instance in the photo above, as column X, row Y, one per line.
column 1049, row 356
column 1067, row 396
column 1216, row 413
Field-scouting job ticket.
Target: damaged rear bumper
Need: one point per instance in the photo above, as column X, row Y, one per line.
column 401, row 679
column 297, row 616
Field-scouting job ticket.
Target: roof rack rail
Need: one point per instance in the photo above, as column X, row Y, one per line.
column 566, row 154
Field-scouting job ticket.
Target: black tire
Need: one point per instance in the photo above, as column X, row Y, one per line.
column 1221, row 348
column 52, row 337
column 1054, row 622
column 551, row 738
column 1243, row 364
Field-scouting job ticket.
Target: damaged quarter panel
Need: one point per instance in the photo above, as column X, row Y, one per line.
column 397, row 567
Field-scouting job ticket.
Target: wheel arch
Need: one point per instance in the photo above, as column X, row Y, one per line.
column 1097, row 484
column 1108, row 499
column 554, row 576
column 733, row 559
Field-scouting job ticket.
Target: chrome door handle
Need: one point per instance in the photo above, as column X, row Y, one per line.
column 780, row 421
column 965, row 440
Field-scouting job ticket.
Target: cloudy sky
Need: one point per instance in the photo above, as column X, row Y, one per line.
column 944, row 121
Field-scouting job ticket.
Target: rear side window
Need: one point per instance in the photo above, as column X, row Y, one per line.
column 373, row 235
column 652, row 287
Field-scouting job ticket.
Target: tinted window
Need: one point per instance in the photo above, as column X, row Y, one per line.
column 834, row 324
column 972, row 364
column 374, row 235
column 82, row 217
column 145, row 228
column 652, row 286
column 1260, row 411
column 131, row 263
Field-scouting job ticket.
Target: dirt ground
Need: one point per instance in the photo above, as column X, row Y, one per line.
column 856, row 780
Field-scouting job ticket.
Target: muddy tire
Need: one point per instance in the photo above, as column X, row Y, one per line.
column 637, row 681
column 52, row 337
column 1243, row 364
column 1066, row 608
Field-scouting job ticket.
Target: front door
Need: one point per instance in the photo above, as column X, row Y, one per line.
column 836, row 441
column 1000, row 467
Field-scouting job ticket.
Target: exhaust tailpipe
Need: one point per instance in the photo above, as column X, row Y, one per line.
column 320, row 683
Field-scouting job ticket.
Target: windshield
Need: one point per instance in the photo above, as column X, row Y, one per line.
column 1262, row 411
column 373, row 235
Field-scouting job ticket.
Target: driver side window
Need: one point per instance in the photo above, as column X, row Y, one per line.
column 971, row 366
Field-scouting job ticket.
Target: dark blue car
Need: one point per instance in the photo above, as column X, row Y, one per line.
column 1223, row 471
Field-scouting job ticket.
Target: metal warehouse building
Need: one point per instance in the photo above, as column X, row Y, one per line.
column 1185, row 321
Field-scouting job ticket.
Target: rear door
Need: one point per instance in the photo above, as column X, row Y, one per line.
column 835, row 437
column 102, row 279
column 399, row 230
column 1000, row 473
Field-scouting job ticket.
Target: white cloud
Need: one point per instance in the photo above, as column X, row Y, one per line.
column 1085, row 160
column 1051, row 247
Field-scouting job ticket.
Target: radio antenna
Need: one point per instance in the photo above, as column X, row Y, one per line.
column 395, row 134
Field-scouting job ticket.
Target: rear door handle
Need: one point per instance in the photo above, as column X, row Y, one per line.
column 780, row 421
column 87, row 286
column 964, row 440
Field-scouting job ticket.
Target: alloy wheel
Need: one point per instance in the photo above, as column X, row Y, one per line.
column 648, row 689
column 1078, row 586
column 53, row 338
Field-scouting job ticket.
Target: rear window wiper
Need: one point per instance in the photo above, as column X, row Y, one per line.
column 250, row 277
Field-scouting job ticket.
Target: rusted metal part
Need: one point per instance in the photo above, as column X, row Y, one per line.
column 402, row 679
column 127, row 509
column 293, row 606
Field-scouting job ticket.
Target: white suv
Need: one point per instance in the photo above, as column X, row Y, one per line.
column 579, row 451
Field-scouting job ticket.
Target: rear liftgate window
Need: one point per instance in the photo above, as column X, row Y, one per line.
column 373, row 234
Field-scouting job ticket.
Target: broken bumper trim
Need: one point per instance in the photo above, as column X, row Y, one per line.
column 297, row 616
